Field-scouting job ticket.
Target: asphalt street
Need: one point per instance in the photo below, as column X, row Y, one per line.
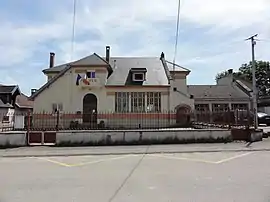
column 174, row 177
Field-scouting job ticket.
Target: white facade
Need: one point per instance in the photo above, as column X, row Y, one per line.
column 62, row 92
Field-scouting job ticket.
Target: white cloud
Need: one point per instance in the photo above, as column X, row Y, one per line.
column 137, row 27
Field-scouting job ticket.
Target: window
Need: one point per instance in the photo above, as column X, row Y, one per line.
column 57, row 107
column 239, row 106
column 202, row 107
column 5, row 119
column 153, row 102
column 91, row 75
column 137, row 102
column 121, row 101
column 138, row 76
column 220, row 107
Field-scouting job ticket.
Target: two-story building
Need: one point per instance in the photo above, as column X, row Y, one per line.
column 116, row 90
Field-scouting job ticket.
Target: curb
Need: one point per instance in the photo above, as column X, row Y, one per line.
column 133, row 153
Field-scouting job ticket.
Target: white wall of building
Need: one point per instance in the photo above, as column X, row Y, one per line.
column 181, row 96
column 65, row 91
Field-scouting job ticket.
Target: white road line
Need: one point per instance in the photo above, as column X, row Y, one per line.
column 55, row 162
column 232, row 158
column 82, row 164
column 183, row 158
column 101, row 160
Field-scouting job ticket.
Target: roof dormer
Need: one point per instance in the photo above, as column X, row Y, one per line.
column 138, row 74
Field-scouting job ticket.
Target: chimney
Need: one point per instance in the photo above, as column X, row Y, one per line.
column 162, row 56
column 108, row 54
column 114, row 64
column 52, row 56
column 33, row 91
column 230, row 71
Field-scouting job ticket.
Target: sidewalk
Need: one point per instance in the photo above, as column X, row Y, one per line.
column 138, row 149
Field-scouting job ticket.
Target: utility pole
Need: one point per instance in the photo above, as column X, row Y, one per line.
column 254, row 90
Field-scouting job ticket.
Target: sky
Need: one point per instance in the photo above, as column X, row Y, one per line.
column 211, row 39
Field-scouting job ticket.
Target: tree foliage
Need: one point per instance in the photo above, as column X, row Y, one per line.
column 245, row 73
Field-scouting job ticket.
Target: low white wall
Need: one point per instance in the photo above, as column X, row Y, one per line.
column 13, row 138
column 131, row 136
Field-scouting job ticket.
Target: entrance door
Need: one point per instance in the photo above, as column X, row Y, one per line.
column 90, row 110
column 182, row 115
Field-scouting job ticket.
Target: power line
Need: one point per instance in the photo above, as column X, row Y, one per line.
column 177, row 33
column 73, row 28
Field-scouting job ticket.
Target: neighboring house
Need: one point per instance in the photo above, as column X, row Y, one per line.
column 218, row 98
column 12, row 102
column 126, row 85
column 226, row 94
column 212, row 100
column 23, row 105
column 246, row 87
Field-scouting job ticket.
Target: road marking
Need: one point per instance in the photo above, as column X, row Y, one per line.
column 232, row 158
column 99, row 161
column 183, row 158
column 82, row 164
column 201, row 160
column 55, row 162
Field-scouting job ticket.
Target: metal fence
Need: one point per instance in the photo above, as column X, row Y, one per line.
column 113, row 120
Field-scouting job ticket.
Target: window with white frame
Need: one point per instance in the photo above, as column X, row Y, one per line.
column 153, row 103
column 57, row 107
column 138, row 77
column 202, row 107
column 239, row 106
column 220, row 107
column 137, row 102
column 121, row 101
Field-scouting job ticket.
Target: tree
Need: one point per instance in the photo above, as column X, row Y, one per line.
column 245, row 73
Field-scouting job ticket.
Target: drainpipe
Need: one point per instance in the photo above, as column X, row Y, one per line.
column 169, row 104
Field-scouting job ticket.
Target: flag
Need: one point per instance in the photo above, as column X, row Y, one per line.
column 78, row 79
column 86, row 82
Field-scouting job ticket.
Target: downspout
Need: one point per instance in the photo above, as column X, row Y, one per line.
column 71, row 90
column 169, row 104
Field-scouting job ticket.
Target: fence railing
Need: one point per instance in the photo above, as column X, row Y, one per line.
column 115, row 120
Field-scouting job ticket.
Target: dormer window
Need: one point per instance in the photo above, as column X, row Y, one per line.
column 138, row 74
column 138, row 77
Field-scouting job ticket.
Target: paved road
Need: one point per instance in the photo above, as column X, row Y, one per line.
column 202, row 177
column 138, row 149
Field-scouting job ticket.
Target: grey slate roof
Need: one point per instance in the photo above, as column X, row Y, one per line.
column 121, row 66
column 216, row 91
column 22, row 101
column 2, row 105
column 57, row 68
column 155, row 74
column 8, row 89
column 91, row 59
